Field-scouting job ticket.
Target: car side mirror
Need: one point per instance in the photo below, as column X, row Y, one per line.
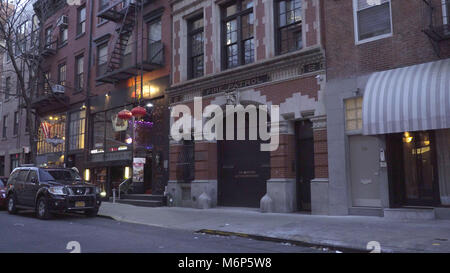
column 34, row 180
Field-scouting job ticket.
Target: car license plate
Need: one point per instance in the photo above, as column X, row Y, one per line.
column 80, row 204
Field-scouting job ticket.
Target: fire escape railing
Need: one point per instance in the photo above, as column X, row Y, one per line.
column 438, row 29
column 126, row 57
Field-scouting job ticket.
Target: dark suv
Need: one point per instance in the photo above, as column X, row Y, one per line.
column 49, row 190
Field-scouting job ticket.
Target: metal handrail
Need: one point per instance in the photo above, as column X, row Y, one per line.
column 120, row 185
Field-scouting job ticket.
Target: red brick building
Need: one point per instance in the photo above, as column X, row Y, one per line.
column 101, row 57
column 250, row 52
column 388, row 107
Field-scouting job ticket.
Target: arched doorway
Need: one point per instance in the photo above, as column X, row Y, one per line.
column 243, row 170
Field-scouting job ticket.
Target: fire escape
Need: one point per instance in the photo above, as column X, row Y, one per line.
column 127, row 58
column 47, row 96
column 438, row 29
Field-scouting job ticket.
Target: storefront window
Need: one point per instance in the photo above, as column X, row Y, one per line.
column 118, row 132
column 51, row 136
column 77, row 130
column 353, row 114
column 111, row 134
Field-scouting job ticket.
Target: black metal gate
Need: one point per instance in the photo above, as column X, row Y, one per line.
column 186, row 162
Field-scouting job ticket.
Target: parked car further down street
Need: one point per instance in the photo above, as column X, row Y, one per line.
column 3, row 181
column 50, row 191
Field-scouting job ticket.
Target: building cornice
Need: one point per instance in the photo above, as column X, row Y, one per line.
column 297, row 60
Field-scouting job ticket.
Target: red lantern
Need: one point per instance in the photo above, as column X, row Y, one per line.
column 125, row 114
column 139, row 112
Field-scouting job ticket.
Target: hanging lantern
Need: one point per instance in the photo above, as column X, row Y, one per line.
column 139, row 112
column 125, row 114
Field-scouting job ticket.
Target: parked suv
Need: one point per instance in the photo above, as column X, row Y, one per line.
column 48, row 190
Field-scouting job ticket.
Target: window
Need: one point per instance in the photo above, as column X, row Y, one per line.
column 77, row 130
column 16, row 123
column 52, row 127
column 15, row 163
column 289, row 35
column 372, row 19
column 62, row 74
column 2, row 166
column 154, row 42
column 63, row 35
column 7, row 87
column 103, row 4
column 238, row 29
column 79, row 73
column 81, row 20
column 110, row 133
column 5, row 120
column 32, row 175
column 47, row 77
column 446, row 11
column 102, row 59
column 48, row 37
column 196, row 46
column 353, row 114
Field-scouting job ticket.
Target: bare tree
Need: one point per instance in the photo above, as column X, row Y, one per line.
column 21, row 33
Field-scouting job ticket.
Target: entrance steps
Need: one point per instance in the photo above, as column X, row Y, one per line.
column 421, row 213
column 143, row 200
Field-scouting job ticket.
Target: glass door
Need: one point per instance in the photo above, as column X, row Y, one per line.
column 419, row 169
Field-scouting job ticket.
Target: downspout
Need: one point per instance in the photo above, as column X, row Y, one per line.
column 88, row 89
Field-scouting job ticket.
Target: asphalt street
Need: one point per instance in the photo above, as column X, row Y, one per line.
column 71, row 232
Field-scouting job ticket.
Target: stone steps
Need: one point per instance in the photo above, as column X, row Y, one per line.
column 410, row 213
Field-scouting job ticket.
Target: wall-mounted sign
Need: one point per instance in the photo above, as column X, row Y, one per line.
column 236, row 85
column 119, row 125
column 138, row 169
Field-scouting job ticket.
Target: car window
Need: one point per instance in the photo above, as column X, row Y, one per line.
column 22, row 175
column 31, row 175
column 2, row 182
column 13, row 177
column 59, row 175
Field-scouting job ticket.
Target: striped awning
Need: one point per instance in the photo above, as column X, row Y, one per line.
column 413, row 98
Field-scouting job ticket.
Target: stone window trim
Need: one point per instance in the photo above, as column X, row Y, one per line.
column 355, row 22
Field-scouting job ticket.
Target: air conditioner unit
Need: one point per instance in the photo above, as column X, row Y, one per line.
column 63, row 21
column 59, row 89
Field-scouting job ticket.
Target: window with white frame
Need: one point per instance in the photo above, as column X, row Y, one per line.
column 446, row 11
column 372, row 19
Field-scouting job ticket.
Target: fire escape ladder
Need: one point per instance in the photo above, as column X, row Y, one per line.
column 437, row 32
column 123, row 36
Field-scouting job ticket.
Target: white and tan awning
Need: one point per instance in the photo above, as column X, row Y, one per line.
column 413, row 98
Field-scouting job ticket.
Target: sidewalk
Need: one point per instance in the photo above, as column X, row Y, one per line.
column 352, row 232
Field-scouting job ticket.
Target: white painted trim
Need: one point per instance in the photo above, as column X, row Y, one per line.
column 355, row 26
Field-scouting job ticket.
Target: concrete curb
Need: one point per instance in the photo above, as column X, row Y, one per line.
column 331, row 247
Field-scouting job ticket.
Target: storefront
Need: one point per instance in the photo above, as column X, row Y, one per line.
column 396, row 140
column 51, row 145
column 411, row 108
column 117, row 145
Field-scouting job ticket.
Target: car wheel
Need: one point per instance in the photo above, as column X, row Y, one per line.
column 12, row 201
column 42, row 211
column 91, row 212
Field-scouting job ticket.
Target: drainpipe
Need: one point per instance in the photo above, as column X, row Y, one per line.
column 88, row 88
